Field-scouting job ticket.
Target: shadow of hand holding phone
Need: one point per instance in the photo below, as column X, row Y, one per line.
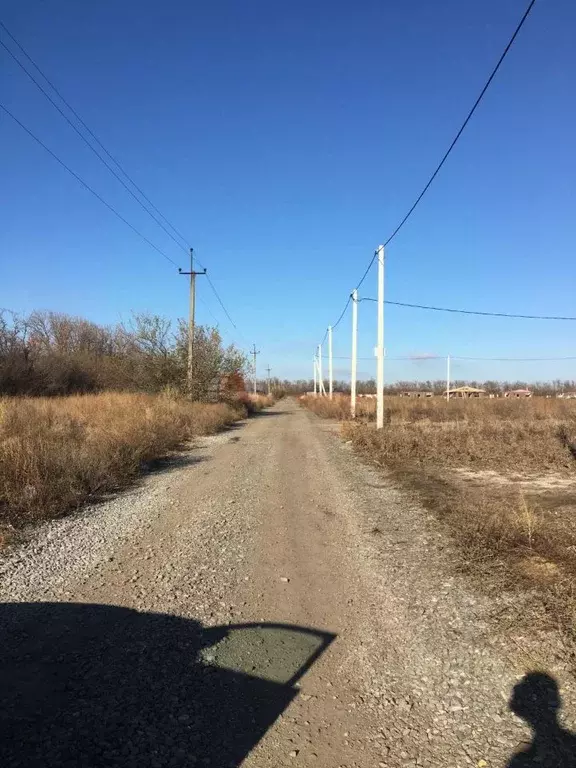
column 100, row 685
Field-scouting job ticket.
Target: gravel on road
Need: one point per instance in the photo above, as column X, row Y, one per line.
column 265, row 600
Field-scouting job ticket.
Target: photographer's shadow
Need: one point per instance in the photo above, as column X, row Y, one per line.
column 536, row 699
column 97, row 685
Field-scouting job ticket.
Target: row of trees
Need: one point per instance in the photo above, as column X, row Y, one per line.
column 438, row 386
column 49, row 353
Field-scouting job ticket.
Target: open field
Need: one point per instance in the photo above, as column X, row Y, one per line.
column 530, row 435
column 502, row 476
column 57, row 452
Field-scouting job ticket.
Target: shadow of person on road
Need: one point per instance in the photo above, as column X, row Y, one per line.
column 536, row 700
column 97, row 685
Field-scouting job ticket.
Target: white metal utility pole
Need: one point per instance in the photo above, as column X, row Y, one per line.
column 254, row 353
column 448, row 378
column 354, row 353
column 380, row 343
column 319, row 363
column 330, row 369
column 191, row 320
column 315, row 377
column 268, row 377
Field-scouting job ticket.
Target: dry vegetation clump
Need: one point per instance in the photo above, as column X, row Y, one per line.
column 57, row 452
column 436, row 409
column 258, row 402
column 515, row 446
column 339, row 407
column 251, row 403
column 532, row 435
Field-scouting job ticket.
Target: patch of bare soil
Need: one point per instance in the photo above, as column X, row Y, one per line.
column 529, row 481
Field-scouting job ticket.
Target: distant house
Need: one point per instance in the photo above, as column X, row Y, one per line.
column 466, row 392
column 518, row 393
column 416, row 393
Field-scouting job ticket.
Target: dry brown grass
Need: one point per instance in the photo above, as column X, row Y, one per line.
column 259, row 402
column 339, row 407
column 56, row 453
column 435, row 409
column 509, row 540
column 532, row 435
column 509, row 537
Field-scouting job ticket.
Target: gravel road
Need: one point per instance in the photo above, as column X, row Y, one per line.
column 265, row 600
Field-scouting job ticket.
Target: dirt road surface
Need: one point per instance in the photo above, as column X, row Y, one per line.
column 267, row 600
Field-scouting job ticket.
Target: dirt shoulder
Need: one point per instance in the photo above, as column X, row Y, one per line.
column 272, row 601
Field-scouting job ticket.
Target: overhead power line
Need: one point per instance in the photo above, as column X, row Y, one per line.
column 337, row 323
column 347, row 357
column 90, row 146
column 183, row 244
column 215, row 292
column 110, row 207
column 417, row 359
column 452, row 145
column 465, row 123
column 514, row 359
column 207, row 306
column 92, row 134
column 368, row 268
column 211, row 284
column 472, row 312
column 86, row 186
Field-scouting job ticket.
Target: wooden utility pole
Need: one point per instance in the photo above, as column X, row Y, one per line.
column 191, row 320
column 254, row 353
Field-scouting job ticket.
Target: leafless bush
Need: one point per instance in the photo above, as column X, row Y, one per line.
column 48, row 353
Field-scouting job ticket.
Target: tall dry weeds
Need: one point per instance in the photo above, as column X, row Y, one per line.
column 339, row 407
column 56, row 453
column 532, row 435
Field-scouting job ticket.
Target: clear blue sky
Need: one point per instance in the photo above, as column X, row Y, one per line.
column 287, row 140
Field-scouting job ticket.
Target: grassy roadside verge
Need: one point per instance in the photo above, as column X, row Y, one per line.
column 500, row 475
column 56, row 453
